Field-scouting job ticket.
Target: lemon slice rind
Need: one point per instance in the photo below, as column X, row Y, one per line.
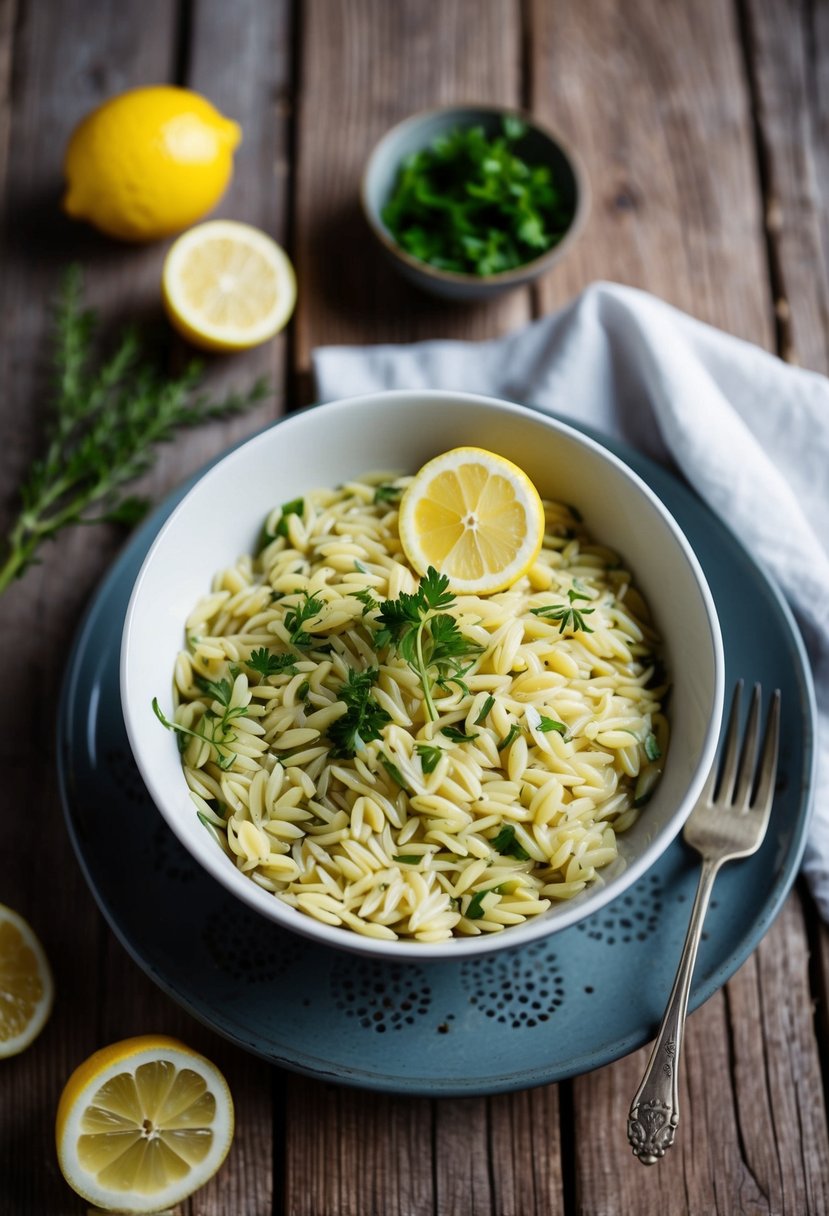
column 32, row 968
column 83, row 1114
column 476, row 517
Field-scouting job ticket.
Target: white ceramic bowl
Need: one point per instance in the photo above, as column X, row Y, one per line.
column 219, row 519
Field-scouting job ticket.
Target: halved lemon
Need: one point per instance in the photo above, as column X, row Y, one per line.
column 26, row 988
column 142, row 1124
column 476, row 517
column 228, row 286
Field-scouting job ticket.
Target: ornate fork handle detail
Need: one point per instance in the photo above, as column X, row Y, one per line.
column 654, row 1112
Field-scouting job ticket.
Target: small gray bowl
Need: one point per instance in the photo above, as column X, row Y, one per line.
column 539, row 147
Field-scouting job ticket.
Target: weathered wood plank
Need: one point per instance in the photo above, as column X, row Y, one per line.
column 351, row 1152
column 654, row 99
column 366, row 65
column 56, row 79
column 788, row 60
column 658, row 104
column 525, row 1151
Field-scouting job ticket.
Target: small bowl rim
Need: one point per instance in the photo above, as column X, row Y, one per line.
column 403, row 950
column 520, row 273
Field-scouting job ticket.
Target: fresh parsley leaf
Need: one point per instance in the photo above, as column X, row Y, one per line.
column 366, row 598
column 387, row 493
column 211, row 729
column 426, row 637
column 429, row 756
column 475, row 907
column 393, row 771
column 219, row 690
column 266, row 663
column 506, row 844
column 652, row 749
column 485, row 708
column 512, row 734
column 296, row 618
column 407, row 859
column 456, row 735
column 363, row 720
column 548, row 724
column 302, row 691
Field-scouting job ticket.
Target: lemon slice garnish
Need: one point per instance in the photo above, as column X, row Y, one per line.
column 476, row 517
column 142, row 1124
column 228, row 286
column 26, row 989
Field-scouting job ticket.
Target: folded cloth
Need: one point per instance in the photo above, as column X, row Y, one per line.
column 749, row 432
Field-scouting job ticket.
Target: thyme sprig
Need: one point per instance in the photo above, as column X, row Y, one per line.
column 107, row 417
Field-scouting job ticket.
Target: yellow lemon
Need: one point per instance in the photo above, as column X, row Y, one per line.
column 149, row 162
column 228, row 286
column 475, row 517
column 142, row 1124
column 26, row 988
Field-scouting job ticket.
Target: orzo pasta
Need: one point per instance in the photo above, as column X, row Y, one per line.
column 408, row 782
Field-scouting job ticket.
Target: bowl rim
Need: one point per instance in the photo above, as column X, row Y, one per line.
column 518, row 274
column 404, row 950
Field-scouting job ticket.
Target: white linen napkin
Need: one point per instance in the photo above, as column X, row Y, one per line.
column 749, row 432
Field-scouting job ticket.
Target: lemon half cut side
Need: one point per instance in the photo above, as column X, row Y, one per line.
column 228, row 286
column 476, row 517
column 26, row 987
column 142, row 1124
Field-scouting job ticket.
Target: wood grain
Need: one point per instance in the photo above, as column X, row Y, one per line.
column 788, row 59
column 367, row 64
column 655, row 99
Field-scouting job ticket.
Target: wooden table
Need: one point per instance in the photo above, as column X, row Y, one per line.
column 704, row 130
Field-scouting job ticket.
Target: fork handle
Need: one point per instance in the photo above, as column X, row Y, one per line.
column 654, row 1112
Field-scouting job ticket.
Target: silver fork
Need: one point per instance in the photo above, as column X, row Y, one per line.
column 726, row 823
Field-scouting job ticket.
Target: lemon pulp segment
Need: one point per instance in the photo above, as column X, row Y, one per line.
column 475, row 517
column 143, row 1124
column 228, row 286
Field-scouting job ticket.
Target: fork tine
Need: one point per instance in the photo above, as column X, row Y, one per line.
column 748, row 756
column 729, row 761
column 768, row 761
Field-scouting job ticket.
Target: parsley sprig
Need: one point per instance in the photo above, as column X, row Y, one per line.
column 107, row 417
column 471, row 203
column 309, row 607
column 265, row 663
column 567, row 614
column 363, row 720
column 425, row 636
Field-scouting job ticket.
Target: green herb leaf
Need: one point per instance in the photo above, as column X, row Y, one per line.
column 296, row 618
column 485, row 708
column 548, row 724
column 363, row 720
column 475, row 907
column 652, row 749
column 429, row 756
column 266, row 663
column 219, row 690
column 574, row 617
column 295, row 507
column 512, row 734
column 506, row 844
column 456, row 735
column 387, row 493
column 393, row 771
column 106, row 420
column 407, row 859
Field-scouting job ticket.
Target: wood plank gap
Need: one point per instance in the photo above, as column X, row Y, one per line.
column 567, row 1147
column 818, row 971
column 784, row 341
column 182, row 43
column 732, row 1072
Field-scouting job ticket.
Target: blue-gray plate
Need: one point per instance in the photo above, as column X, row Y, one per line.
column 517, row 1018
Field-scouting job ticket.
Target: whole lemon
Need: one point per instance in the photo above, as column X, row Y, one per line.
column 149, row 162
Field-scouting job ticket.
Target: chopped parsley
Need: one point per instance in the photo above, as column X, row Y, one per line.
column 510, row 737
column 429, row 756
column 266, row 663
column 652, row 749
column 485, row 708
column 506, row 844
column 457, row 735
column 567, row 615
column 363, row 720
